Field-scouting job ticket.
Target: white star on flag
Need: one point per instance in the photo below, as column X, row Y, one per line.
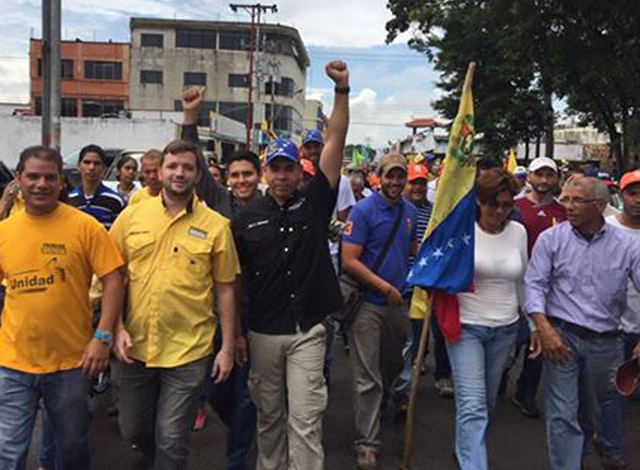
column 466, row 239
column 450, row 243
column 438, row 253
column 423, row 262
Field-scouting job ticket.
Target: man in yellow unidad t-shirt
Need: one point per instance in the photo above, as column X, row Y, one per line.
column 178, row 253
column 48, row 253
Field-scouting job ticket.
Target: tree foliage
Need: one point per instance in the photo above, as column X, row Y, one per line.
column 529, row 51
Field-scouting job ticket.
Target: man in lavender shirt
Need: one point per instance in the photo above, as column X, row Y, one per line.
column 576, row 287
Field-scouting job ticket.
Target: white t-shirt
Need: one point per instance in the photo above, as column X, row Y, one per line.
column 345, row 200
column 431, row 191
column 498, row 278
column 631, row 317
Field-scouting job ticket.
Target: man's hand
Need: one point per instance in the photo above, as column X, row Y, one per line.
column 192, row 99
column 241, row 351
column 95, row 358
column 535, row 345
column 553, row 347
column 394, row 297
column 121, row 345
column 337, row 71
column 222, row 366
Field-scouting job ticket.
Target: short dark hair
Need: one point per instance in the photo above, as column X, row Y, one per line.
column 183, row 146
column 126, row 159
column 487, row 163
column 41, row 152
column 494, row 181
column 245, row 155
column 93, row 148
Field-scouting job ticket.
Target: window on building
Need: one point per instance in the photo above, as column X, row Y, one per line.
column 204, row 113
column 152, row 40
column 235, row 40
column 239, row 80
column 101, row 108
column 196, row 38
column 286, row 87
column 195, row 79
column 285, row 118
column 69, row 107
column 102, row 70
column 67, row 68
column 234, row 110
column 151, row 76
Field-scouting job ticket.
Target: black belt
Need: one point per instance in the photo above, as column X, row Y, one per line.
column 581, row 331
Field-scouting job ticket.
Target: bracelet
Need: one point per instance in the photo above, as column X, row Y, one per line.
column 342, row 90
column 226, row 351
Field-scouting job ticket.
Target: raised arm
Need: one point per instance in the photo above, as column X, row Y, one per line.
column 338, row 125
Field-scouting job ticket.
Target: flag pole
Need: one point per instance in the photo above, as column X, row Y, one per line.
column 417, row 365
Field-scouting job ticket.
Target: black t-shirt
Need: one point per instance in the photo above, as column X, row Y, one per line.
column 287, row 270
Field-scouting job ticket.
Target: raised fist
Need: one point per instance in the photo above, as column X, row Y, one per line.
column 192, row 98
column 337, row 71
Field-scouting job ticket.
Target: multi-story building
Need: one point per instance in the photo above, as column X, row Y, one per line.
column 95, row 78
column 314, row 117
column 168, row 56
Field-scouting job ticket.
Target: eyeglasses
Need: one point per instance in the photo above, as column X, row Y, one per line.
column 565, row 201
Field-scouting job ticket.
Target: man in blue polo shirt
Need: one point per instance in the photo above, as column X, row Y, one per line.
column 93, row 197
column 381, row 325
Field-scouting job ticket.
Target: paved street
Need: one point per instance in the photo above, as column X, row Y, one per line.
column 515, row 442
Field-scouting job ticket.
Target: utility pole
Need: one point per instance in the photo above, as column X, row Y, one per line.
column 51, row 72
column 255, row 10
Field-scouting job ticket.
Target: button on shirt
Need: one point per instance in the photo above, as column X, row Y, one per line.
column 370, row 223
column 580, row 281
column 173, row 265
column 285, row 260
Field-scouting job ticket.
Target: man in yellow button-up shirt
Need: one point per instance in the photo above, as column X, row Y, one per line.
column 178, row 253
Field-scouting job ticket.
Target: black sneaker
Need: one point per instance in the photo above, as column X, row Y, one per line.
column 527, row 407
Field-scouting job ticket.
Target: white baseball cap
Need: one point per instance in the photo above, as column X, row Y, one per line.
column 542, row 162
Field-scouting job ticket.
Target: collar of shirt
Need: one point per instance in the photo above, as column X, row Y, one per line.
column 595, row 237
column 188, row 208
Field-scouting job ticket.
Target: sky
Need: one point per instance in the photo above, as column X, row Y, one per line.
column 390, row 85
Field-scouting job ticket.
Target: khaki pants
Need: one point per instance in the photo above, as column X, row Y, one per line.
column 288, row 388
column 378, row 335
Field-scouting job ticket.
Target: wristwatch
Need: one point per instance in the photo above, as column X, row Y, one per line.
column 342, row 90
column 106, row 337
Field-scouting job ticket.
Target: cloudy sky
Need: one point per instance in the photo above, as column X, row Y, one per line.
column 389, row 84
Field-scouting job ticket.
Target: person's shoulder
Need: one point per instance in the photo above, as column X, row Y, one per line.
column 74, row 193
column 210, row 216
column 254, row 210
column 410, row 207
column 109, row 193
column 70, row 217
column 517, row 228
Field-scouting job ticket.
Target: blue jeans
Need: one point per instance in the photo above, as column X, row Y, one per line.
column 573, row 392
column 478, row 360
column 529, row 380
column 47, row 456
column 64, row 395
column 231, row 401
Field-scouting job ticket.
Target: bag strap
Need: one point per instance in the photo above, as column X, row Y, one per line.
column 389, row 240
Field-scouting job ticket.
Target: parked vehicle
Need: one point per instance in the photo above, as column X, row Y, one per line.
column 113, row 155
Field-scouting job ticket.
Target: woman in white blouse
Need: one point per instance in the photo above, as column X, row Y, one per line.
column 488, row 315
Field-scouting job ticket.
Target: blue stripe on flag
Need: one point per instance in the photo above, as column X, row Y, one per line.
column 445, row 259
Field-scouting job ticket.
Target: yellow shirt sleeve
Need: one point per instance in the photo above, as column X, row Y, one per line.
column 226, row 266
column 102, row 253
column 117, row 232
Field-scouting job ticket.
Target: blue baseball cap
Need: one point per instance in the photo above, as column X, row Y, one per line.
column 282, row 148
column 312, row 135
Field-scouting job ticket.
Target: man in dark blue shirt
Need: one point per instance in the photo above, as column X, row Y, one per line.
column 93, row 197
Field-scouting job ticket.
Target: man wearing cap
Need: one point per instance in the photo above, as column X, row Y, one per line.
column 539, row 210
column 381, row 325
column 576, row 291
column 416, row 193
column 291, row 284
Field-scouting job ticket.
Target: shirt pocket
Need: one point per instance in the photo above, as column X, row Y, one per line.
column 193, row 262
column 139, row 252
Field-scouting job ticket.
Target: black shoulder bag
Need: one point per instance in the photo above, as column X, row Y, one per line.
column 352, row 290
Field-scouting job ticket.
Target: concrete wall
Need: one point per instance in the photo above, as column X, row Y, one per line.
column 216, row 63
column 16, row 133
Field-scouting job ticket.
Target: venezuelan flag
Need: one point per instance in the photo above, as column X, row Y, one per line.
column 444, row 263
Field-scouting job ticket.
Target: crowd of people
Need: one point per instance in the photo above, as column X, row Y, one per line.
column 224, row 285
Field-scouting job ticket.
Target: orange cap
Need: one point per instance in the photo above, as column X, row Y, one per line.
column 629, row 178
column 307, row 166
column 417, row 171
